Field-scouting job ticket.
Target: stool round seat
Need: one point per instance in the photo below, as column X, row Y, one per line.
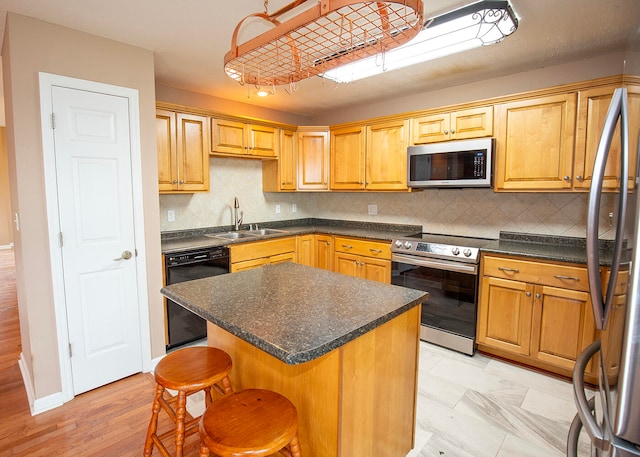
column 187, row 371
column 253, row 422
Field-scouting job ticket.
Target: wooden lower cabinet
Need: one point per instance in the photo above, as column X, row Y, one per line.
column 357, row 400
column 324, row 252
column 363, row 259
column 536, row 313
column 245, row 256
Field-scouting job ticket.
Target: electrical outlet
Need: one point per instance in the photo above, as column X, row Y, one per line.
column 294, row 208
column 171, row 216
column 277, row 209
column 373, row 210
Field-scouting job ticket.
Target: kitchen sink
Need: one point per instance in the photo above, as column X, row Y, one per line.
column 262, row 232
column 231, row 235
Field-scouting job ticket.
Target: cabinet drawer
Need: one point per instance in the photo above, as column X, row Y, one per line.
column 363, row 247
column 621, row 284
column 549, row 274
column 255, row 250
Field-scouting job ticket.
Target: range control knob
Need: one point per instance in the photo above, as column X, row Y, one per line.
column 467, row 252
column 398, row 244
column 455, row 251
column 407, row 245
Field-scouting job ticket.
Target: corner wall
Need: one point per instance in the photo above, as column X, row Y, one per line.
column 30, row 47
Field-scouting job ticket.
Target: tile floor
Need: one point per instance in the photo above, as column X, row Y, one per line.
column 482, row 407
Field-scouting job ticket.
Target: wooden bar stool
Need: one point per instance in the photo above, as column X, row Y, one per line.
column 252, row 422
column 188, row 371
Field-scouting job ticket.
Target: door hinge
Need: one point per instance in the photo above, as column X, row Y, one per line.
column 53, row 121
column 70, row 351
column 60, row 240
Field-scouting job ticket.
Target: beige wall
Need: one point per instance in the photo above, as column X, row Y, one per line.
column 6, row 236
column 32, row 46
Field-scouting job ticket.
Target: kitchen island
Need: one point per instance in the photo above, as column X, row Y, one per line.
column 344, row 350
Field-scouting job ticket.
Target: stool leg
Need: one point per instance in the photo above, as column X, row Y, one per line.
column 153, row 423
column 294, row 447
column 181, row 410
column 204, row 451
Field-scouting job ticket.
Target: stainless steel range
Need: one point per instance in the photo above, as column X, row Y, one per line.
column 447, row 268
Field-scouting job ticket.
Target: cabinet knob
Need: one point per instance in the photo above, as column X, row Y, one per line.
column 182, row 181
column 445, row 132
column 579, row 178
column 453, row 131
column 538, row 296
column 528, row 294
column 175, row 181
column 566, row 178
column 283, row 183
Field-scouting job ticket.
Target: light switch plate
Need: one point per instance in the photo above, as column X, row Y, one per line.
column 171, row 216
column 277, row 209
column 373, row 210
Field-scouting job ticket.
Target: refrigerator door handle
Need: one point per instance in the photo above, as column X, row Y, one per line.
column 617, row 110
column 584, row 407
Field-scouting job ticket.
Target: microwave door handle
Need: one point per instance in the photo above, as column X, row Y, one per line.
column 600, row 304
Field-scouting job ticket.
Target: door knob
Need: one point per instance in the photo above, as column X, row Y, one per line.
column 126, row 255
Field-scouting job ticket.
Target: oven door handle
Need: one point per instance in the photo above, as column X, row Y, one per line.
column 457, row 267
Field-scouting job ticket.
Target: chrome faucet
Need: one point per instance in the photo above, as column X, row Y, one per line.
column 236, row 220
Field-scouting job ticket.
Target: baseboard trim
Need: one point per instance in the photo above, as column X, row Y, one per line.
column 37, row 405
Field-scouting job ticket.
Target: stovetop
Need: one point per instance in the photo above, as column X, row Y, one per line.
column 459, row 248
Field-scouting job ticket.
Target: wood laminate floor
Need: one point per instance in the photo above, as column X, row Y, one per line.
column 467, row 406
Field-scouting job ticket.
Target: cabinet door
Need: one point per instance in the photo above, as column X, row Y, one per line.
column 192, row 151
column 228, row 137
column 504, row 314
column 535, row 138
column 347, row 264
column 386, row 156
column 471, row 123
column 324, row 252
column 430, row 129
column 263, row 141
column 313, row 160
column 347, row 159
column 166, row 148
column 282, row 258
column 612, row 337
column 375, row 269
column 562, row 326
column 281, row 175
column 306, row 250
column 592, row 110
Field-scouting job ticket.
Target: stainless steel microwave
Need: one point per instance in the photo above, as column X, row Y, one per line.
column 466, row 163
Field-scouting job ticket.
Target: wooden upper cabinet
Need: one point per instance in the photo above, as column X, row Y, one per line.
column 281, row 175
column 372, row 157
column 238, row 138
column 313, row 159
column 592, row 110
column 534, row 143
column 348, row 158
column 456, row 125
column 182, row 147
column 386, row 157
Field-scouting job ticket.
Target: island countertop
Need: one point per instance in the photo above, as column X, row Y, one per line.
column 294, row 312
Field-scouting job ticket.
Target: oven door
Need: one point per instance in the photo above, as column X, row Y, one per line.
column 449, row 314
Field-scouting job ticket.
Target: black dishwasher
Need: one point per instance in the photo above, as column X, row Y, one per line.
column 183, row 326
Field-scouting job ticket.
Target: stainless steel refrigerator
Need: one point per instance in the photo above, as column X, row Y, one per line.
column 611, row 415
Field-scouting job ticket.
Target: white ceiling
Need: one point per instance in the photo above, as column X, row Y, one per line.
column 190, row 38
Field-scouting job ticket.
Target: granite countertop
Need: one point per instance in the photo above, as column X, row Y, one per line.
column 173, row 242
column 546, row 247
column 294, row 312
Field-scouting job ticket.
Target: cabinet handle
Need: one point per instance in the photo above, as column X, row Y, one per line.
column 175, row 181
column 283, row 183
column 570, row 278
column 446, row 131
column 528, row 294
column 509, row 270
column 377, row 251
column 538, row 296
column 182, row 181
column 346, row 246
column 566, row 178
column 328, row 243
column 579, row 178
column 453, row 131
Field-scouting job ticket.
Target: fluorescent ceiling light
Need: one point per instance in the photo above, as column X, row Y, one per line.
column 479, row 24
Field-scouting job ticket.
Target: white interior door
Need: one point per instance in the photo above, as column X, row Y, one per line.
column 95, row 207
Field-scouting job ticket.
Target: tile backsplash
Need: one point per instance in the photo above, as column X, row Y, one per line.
column 465, row 212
